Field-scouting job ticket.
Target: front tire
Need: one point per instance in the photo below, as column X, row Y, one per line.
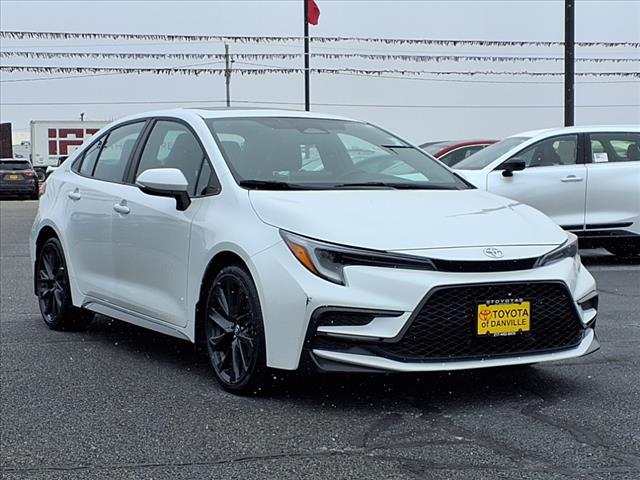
column 54, row 292
column 234, row 332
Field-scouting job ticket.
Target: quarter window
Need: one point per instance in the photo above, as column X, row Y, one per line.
column 90, row 157
column 550, row 152
column 615, row 147
column 172, row 145
column 115, row 154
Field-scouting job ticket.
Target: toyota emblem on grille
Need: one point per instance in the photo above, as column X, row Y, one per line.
column 493, row 252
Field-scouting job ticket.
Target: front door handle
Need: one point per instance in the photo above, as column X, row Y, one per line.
column 121, row 208
column 571, row 178
column 75, row 195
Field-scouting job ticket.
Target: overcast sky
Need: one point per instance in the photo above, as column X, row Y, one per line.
column 446, row 110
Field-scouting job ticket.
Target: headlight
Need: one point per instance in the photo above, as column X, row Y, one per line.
column 568, row 249
column 327, row 260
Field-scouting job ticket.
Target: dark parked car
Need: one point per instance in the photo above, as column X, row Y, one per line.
column 452, row 152
column 18, row 178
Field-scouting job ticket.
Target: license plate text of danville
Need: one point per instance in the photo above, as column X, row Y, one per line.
column 504, row 317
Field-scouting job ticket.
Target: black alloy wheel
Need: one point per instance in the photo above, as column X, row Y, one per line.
column 53, row 290
column 234, row 332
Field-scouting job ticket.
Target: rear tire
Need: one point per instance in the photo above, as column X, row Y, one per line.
column 234, row 332
column 54, row 291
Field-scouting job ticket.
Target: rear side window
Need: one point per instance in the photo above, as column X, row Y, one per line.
column 115, row 153
column 615, row 147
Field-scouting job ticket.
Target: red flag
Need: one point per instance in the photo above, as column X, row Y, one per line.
column 313, row 14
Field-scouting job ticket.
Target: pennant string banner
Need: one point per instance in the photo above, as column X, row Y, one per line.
column 264, row 71
column 292, row 56
column 21, row 35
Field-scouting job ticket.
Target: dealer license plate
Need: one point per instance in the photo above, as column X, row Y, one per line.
column 500, row 318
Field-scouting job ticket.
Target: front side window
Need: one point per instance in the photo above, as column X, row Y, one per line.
column 173, row 145
column 550, row 152
column 615, row 147
column 310, row 153
column 90, row 157
column 488, row 155
column 117, row 149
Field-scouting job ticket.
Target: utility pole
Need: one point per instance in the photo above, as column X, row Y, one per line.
column 569, row 61
column 306, row 55
column 227, row 73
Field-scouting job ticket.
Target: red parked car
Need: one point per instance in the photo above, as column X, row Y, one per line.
column 452, row 151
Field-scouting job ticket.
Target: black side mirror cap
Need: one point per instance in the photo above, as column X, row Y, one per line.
column 514, row 164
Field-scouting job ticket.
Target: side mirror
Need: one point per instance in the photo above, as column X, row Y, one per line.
column 165, row 182
column 514, row 164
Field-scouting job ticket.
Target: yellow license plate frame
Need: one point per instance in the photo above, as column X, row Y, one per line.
column 501, row 319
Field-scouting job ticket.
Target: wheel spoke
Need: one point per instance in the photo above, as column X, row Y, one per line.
column 221, row 300
column 231, row 298
column 47, row 263
column 245, row 338
column 242, row 354
column 43, row 275
column 219, row 319
column 220, row 342
column 53, row 305
column 235, row 361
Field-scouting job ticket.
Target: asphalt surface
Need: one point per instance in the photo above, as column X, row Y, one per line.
column 120, row 402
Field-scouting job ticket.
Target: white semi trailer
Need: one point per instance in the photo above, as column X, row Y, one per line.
column 53, row 141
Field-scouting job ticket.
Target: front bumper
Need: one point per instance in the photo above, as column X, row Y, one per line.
column 290, row 295
column 339, row 361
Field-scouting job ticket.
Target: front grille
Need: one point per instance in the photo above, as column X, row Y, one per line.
column 444, row 327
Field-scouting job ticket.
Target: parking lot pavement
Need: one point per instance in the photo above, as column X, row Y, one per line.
column 120, row 402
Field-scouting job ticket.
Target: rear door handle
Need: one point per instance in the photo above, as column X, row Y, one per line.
column 75, row 195
column 571, row 178
column 121, row 208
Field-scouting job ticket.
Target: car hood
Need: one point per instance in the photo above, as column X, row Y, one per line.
column 406, row 219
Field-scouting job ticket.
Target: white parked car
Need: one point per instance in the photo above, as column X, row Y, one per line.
column 208, row 226
column 587, row 179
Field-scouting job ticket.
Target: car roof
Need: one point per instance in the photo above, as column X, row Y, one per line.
column 577, row 129
column 207, row 113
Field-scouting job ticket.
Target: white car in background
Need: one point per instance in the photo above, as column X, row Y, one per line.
column 277, row 238
column 587, row 179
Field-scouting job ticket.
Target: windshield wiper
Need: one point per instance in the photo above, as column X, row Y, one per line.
column 394, row 185
column 271, row 185
column 397, row 146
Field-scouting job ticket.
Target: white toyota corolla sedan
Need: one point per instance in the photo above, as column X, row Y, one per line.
column 282, row 238
column 587, row 179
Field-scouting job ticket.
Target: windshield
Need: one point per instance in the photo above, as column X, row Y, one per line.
column 310, row 153
column 484, row 157
column 15, row 165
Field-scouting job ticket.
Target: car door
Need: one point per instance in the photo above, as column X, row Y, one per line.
column 554, row 180
column 613, row 189
column 89, row 199
column 150, row 236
